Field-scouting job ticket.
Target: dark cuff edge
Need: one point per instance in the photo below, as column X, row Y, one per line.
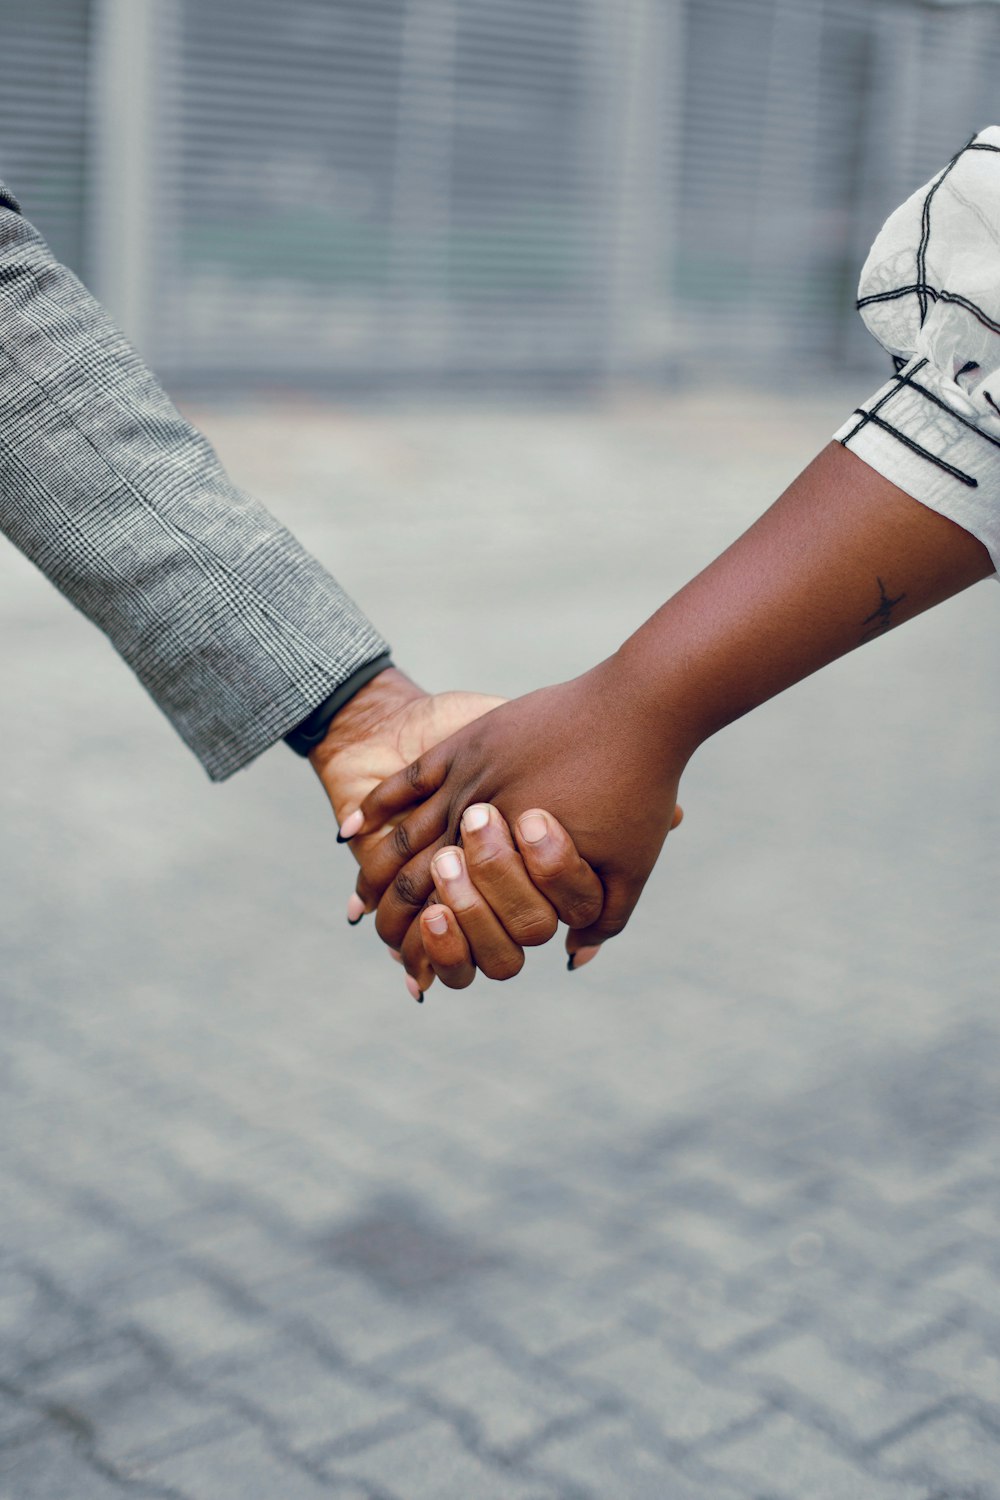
column 307, row 735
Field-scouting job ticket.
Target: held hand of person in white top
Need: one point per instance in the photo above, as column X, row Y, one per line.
column 863, row 540
column 841, row 558
column 502, row 897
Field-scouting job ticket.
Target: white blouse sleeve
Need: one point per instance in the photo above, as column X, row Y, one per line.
column 930, row 294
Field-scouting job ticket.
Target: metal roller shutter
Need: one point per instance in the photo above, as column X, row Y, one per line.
column 372, row 190
column 43, row 116
column 806, row 122
column 383, row 188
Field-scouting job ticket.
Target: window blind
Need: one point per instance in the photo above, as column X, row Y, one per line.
column 484, row 190
column 805, row 123
column 43, row 116
column 393, row 188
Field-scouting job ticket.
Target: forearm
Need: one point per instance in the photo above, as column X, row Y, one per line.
column 842, row 557
column 233, row 627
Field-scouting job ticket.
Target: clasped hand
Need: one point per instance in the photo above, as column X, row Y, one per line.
column 428, row 790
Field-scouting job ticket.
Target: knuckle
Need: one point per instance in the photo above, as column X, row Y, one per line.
column 468, row 904
column 533, row 928
column 400, row 841
column 581, row 911
column 456, row 979
column 406, row 890
column 553, row 861
column 414, row 774
column 485, row 854
column 503, row 965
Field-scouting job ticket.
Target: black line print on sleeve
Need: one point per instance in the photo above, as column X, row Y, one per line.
column 903, row 382
column 924, row 289
column 926, row 294
column 925, row 229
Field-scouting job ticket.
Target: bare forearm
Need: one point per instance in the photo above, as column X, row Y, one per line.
column 842, row 557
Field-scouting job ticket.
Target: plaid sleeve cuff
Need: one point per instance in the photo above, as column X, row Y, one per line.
column 923, row 442
column 236, row 631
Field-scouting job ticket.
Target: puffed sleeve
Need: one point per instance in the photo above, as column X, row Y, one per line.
column 930, row 294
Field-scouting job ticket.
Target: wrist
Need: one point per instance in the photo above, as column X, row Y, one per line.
column 647, row 705
column 359, row 718
column 697, row 662
column 670, row 694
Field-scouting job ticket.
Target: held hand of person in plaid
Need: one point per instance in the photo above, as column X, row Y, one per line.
column 239, row 634
column 501, row 898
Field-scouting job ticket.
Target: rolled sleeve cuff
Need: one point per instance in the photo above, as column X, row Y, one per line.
column 916, row 438
column 238, row 692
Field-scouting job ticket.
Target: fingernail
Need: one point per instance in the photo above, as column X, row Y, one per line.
column 416, row 993
column 350, row 826
column 396, row 957
column 437, row 923
column 355, row 910
column 448, row 865
column 476, row 817
column 533, row 828
column 582, row 956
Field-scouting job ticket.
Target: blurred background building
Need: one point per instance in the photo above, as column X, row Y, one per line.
column 494, row 192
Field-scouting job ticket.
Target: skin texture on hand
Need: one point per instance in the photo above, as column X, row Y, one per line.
column 586, row 750
column 496, row 897
column 507, row 897
column 384, row 727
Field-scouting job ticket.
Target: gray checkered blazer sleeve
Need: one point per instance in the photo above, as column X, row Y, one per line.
column 234, row 629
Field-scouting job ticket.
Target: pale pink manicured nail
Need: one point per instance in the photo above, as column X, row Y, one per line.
column 476, row 817
column 416, row 993
column 350, row 826
column 396, row 957
column 532, row 828
column 355, row 909
column 437, row 922
column 582, row 956
column 447, row 865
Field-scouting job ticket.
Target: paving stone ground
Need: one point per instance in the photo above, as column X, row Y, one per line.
column 715, row 1218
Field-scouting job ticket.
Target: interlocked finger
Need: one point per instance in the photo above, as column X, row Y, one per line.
column 404, row 898
column 414, row 960
column 493, row 951
column 445, row 947
column 383, row 859
column 398, row 793
column 497, row 871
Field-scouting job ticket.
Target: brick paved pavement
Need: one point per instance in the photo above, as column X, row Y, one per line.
column 716, row 1217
